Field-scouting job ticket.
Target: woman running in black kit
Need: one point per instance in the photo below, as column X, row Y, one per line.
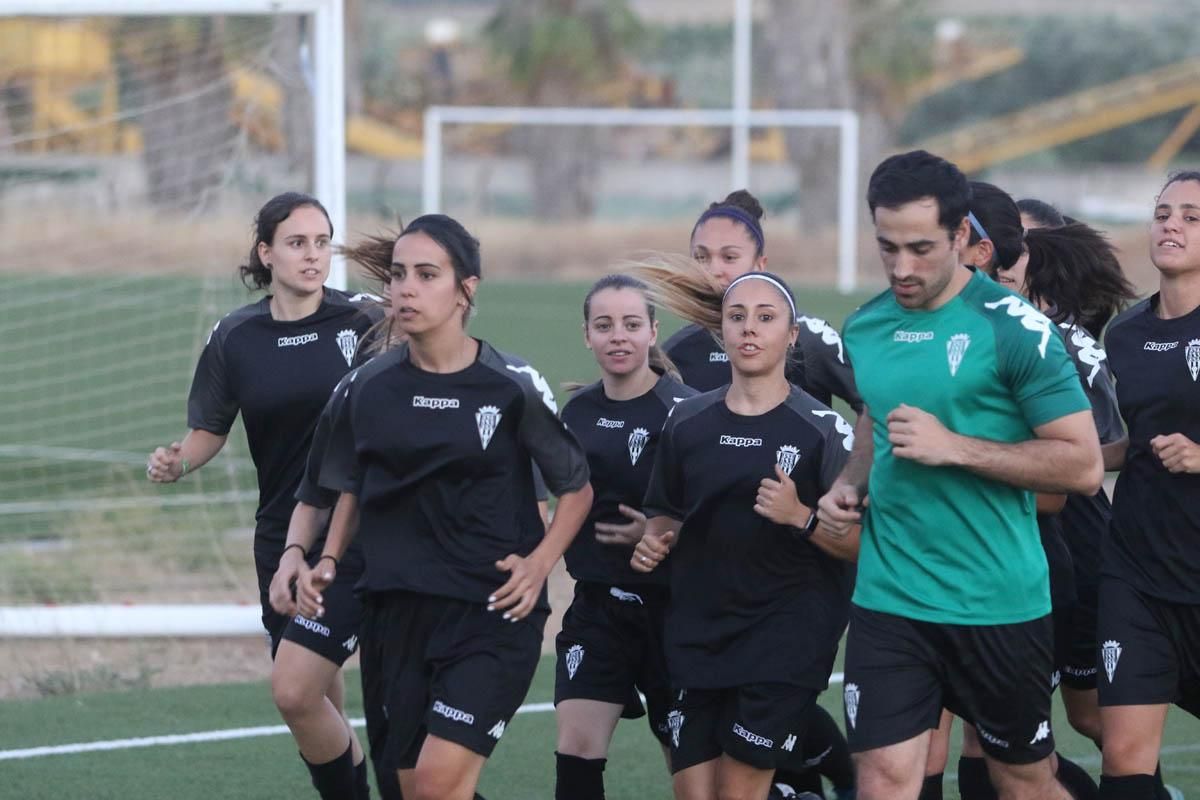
column 275, row 361
column 759, row 592
column 727, row 240
column 431, row 453
column 1149, row 616
column 610, row 647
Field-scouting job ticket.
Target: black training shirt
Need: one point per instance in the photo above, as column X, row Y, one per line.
column 279, row 375
column 1155, row 536
column 620, row 438
column 750, row 601
column 1084, row 520
column 440, row 465
column 818, row 365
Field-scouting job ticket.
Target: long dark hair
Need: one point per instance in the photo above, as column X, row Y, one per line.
column 254, row 273
column 998, row 214
column 1074, row 271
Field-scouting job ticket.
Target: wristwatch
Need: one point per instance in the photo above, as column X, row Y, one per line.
column 806, row 532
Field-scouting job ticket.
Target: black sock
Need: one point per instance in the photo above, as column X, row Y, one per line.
column 579, row 778
column 974, row 783
column 333, row 780
column 1076, row 780
column 1127, row 787
column 362, row 786
column 931, row 789
column 478, row 796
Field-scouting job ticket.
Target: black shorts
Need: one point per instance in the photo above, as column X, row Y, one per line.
column 611, row 648
column 436, row 665
column 759, row 724
column 333, row 636
column 1149, row 651
column 1063, row 600
column 901, row 673
column 1078, row 668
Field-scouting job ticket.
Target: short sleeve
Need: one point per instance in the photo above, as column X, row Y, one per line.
column 212, row 404
column 539, row 485
column 555, row 450
column 338, row 469
column 826, row 367
column 1035, row 363
column 839, row 441
column 664, row 493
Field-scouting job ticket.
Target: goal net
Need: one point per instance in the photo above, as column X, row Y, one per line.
column 134, row 151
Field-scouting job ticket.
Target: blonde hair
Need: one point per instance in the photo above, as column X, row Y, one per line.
column 374, row 256
column 683, row 287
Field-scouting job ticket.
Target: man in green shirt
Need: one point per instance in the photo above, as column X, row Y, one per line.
column 972, row 406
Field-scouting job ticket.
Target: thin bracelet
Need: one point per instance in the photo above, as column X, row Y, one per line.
column 298, row 546
column 184, row 466
column 331, row 558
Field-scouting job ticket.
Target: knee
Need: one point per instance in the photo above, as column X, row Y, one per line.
column 579, row 741
column 1085, row 720
column 291, row 697
column 1126, row 753
column 434, row 783
column 884, row 780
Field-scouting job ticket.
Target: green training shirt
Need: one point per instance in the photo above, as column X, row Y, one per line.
column 943, row 544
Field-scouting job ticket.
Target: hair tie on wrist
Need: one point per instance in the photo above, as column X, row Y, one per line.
column 298, row 546
column 331, row 558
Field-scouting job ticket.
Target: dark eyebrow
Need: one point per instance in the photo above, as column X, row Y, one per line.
column 918, row 243
column 418, row 264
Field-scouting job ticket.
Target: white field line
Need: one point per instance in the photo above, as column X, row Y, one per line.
column 223, row 736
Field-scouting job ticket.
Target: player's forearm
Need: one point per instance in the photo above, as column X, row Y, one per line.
column 1114, row 454
column 1039, row 465
column 343, row 527
column 857, row 471
column 305, row 525
column 570, row 512
column 840, row 547
column 198, row 448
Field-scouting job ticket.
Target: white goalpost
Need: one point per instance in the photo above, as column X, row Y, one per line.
column 739, row 120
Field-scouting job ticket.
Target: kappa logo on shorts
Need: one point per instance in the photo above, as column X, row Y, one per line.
column 1043, row 732
column 453, row 714
column 789, row 743
column 956, row 348
column 573, row 658
column 752, row 738
column 637, row 443
column 347, row 342
column 675, row 724
column 850, row 695
column 809, row 763
column 786, row 457
column 988, row 736
column 1110, row 654
column 497, row 730
column 717, row 357
column 351, row 643
column 487, row 418
column 312, row 625
column 1055, row 680
column 624, row 596
column 1192, row 351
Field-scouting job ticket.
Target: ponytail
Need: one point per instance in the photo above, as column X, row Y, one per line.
column 684, row 288
column 374, row 256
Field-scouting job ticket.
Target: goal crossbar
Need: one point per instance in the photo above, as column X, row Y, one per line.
column 436, row 117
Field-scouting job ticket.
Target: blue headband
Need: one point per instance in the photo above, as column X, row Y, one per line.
column 977, row 225
column 769, row 278
column 734, row 213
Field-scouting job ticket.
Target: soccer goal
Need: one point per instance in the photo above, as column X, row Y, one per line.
column 738, row 120
column 137, row 139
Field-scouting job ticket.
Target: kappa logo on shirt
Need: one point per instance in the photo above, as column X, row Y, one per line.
column 956, row 348
column 435, row 403
column 605, row 422
column 840, row 425
column 296, row 341
column 1160, row 347
column 1090, row 352
column 637, row 443
column 1192, row 352
column 717, row 357
column 487, row 419
column 1031, row 319
column 829, row 335
column 347, row 342
column 912, row 337
column 740, row 441
column 539, row 383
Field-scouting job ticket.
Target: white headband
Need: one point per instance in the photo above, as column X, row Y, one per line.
column 762, row 276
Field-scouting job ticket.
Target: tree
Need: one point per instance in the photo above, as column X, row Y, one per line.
column 558, row 53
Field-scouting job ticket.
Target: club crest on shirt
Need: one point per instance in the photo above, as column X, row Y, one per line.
column 786, row 457
column 573, row 657
column 1192, row 351
column 487, row 418
column 675, row 724
column 347, row 342
column 1110, row 653
column 850, row 694
column 637, row 443
column 956, row 348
